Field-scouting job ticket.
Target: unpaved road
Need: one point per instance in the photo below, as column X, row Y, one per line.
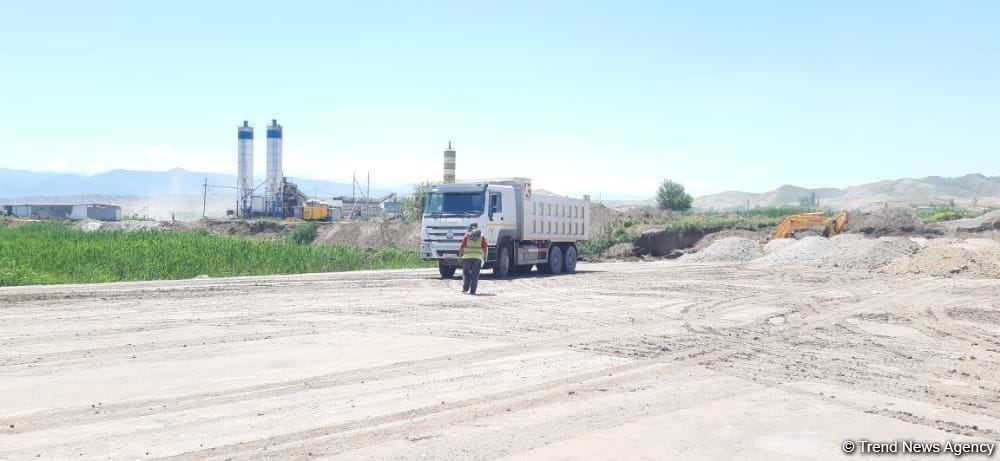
column 622, row 361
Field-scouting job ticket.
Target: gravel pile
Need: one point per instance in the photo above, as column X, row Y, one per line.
column 957, row 258
column 857, row 252
column 127, row 226
column 777, row 245
column 949, row 257
column 729, row 249
column 810, row 251
column 713, row 237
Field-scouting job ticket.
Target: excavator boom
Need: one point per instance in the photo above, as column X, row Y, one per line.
column 833, row 226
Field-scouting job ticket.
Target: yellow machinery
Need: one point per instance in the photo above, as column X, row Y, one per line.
column 832, row 226
column 316, row 212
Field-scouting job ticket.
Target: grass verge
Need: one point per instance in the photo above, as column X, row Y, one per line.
column 54, row 253
column 947, row 214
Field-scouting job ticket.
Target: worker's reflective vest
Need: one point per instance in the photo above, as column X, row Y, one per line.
column 473, row 249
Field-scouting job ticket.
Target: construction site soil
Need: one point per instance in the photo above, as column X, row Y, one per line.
column 693, row 244
column 664, row 360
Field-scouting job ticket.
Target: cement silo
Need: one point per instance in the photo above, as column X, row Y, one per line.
column 449, row 164
column 274, row 171
column 244, row 169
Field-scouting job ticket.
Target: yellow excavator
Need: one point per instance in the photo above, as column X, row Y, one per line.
column 831, row 226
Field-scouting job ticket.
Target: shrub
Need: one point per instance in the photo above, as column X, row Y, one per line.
column 671, row 196
column 304, row 235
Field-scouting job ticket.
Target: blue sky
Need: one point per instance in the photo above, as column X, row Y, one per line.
column 584, row 97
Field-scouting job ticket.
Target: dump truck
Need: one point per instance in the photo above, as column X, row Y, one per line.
column 522, row 229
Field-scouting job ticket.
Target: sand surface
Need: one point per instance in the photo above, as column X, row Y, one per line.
column 662, row 360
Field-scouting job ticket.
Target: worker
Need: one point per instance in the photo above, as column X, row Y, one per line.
column 473, row 253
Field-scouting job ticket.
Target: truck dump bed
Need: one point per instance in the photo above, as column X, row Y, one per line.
column 555, row 218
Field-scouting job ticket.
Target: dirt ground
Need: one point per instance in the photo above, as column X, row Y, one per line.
column 659, row 360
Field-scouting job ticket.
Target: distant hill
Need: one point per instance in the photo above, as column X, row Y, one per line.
column 929, row 191
column 20, row 183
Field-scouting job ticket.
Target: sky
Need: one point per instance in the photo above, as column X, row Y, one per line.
column 604, row 98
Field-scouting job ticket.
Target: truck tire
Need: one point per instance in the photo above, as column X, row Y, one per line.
column 569, row 259
column 555, row 264
column 445, row 270
column 501, row 268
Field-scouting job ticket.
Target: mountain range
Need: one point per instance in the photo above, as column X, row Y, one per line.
column 175, row 188
column 968, row 190
column 178, row 181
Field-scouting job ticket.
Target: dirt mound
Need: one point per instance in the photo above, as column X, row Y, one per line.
column 888, row 221
column 847, row 250
column 602, row 220
column 617, row 251
column 375, row 234
column 961, row 258
column 257, row 228
column 987, row 222
column 656, row 241
column 729, row 249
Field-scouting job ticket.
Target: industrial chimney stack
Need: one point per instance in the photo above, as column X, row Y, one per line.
column 244, row 169
column 449, row 164
column 275, row 175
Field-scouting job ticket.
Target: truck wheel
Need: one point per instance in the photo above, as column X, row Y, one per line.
column 502, row 266
column 569, row 259
column 445, row 270
column 555, row 264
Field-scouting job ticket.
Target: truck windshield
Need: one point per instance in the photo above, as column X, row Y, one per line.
column 455, row 203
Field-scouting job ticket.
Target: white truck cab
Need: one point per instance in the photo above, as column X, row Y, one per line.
column 521, row 229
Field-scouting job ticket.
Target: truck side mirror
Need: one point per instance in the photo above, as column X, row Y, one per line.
column 423, row 203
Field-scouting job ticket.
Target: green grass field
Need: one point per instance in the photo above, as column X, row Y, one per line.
column 53, row 253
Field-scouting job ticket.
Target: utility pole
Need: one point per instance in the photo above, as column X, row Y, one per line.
column 204, row 198
column 368, row 199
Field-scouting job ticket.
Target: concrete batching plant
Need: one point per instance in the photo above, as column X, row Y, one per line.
column 244, row 171
column 277, row 196
column 274, row 171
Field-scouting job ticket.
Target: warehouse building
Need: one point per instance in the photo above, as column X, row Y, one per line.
column 42, row 211
column 52, row 211
column 97, row 212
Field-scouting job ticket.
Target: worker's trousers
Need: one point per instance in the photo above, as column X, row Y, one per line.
column 470, row 274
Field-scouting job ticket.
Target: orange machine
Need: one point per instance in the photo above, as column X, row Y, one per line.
column 832, row 226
